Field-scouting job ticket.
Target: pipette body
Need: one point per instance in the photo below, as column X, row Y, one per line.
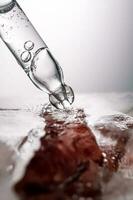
column 32, row 54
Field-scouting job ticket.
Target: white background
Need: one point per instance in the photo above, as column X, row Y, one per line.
column 91, row 39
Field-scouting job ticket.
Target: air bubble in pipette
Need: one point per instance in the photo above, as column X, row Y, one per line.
column 26, row 56
column 29, row 45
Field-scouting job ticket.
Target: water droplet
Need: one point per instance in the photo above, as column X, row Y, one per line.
column 26, row 56
column 104, row 155
column 105, row 160
column 29, row 45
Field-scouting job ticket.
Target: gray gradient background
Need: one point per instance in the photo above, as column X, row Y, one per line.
column 91, row 39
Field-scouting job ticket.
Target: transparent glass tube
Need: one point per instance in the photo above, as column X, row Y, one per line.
column 32, row 54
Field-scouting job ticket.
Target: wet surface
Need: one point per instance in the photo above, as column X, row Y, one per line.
column 72, row 164
column 85, row 156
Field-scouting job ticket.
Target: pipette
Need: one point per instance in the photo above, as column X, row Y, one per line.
column 32, row 54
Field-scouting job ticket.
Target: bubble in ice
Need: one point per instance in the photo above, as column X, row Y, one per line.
column 26, row 56
column 29, row 45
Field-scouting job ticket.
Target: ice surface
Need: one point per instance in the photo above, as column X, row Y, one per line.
column 21, row 127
